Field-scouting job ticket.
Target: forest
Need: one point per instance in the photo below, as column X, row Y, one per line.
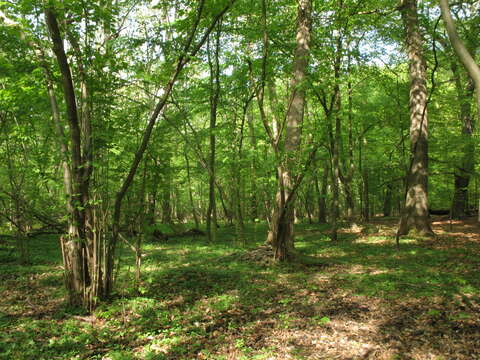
column 239, row 179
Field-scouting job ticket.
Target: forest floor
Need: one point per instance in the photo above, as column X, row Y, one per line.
column 358, row 298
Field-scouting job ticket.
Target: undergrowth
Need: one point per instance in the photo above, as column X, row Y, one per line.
column 199, row 300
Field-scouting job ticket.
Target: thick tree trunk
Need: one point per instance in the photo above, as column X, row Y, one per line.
column 283, row 241
column 415, row 214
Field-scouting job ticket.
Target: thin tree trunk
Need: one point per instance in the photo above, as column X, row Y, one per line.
column 190, row 191
column 238, row 183
column 214, row 97
column 253, row 167
column 363, row 186
column 151, row 195
column 336, row 141
column 346, row 176
column 322, row 194
column 167, row 188
column 308, row 203
column 335, row 175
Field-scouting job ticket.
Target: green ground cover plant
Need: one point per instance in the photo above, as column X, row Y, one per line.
column 200, row 300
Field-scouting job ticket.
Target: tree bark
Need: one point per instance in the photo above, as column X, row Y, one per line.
column 167, row 187
column 190, row 190
column 214, row 97
column 336, row 139
column 283, row 240
column 322, row 194
column 463, row 172
column 253, row 167
column 415, row 214
column 387, row 202
column 74, row 245
column 346, row 175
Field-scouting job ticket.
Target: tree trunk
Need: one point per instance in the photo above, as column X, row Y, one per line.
column 415, row 214
column 387, row 202
column 349, row 167
column 237, row 204
column 308, row 203
column 463, row 172
column 151, row 196
column 363, row 186
column 238, row 184
column 365, row 196
column 167, row 187
column 462, row 52
column 336, row 141
column 335, row 196
column 322, row 194
column 190, row 191
column 253, row 167
column 214, row 97
column 283, row 241
column 74, row 245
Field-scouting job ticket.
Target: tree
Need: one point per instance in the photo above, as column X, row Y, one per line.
column 283, row 235
column 462, row 173
column 415, row 214
column 89, row 265
column 214, row 67
column 462, row 52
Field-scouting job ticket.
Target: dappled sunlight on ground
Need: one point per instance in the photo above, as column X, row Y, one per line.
column 358, row 298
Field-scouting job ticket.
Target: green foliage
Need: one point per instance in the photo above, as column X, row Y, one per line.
column 191, row 289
